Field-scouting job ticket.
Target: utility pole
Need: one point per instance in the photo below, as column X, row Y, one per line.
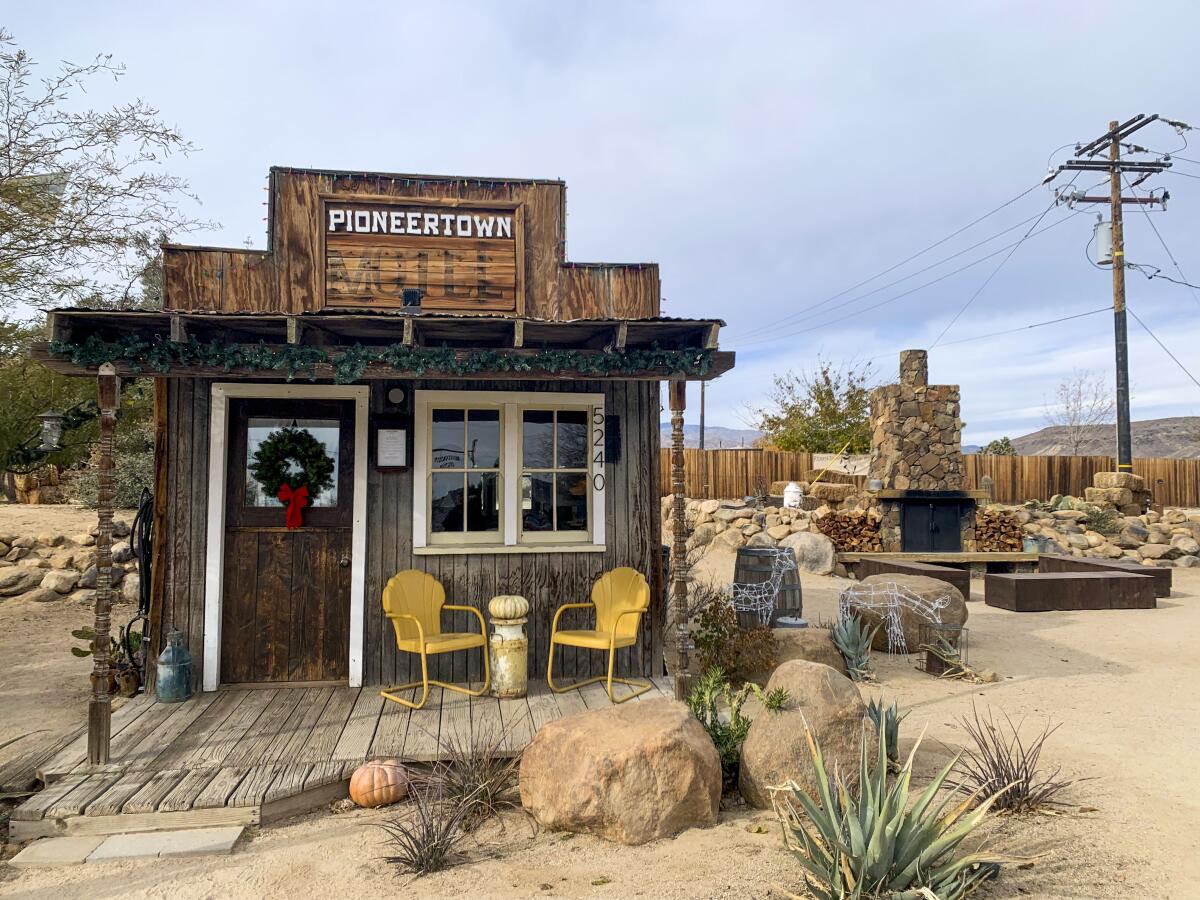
column 1120, row 331
column 1115, row 168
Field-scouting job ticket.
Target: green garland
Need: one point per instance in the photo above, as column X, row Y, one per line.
column 349, row 365
column 271, row 467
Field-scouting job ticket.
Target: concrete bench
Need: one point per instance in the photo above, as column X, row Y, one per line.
column 960, row 578
column 1046, row 591
column 1054, row 562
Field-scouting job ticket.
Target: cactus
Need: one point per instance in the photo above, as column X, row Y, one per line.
column 853, row 640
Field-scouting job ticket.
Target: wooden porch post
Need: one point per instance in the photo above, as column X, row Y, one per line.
column 100, row 706
column 679, row 568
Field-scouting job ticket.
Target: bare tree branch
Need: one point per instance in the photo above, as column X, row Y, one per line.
column 1081, row 402
column 84, row 196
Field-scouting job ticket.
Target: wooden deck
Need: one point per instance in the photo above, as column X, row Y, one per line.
column 251, row 756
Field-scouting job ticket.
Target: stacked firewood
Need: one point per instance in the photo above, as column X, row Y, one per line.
column 852, row 531
column 997, row 530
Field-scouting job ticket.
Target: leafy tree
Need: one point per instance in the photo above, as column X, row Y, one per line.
column 999, row 447
column 83, row 193
column 820, row 412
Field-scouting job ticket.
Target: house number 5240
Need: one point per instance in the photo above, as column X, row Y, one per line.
column 598, row 448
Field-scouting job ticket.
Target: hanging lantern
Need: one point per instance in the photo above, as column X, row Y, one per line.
column 52, row 421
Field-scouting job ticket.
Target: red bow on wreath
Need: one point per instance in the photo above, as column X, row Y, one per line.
column 296, row 499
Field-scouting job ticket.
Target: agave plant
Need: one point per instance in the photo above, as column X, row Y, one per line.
column 887, row 719
column 873, row 845
column 853, row 640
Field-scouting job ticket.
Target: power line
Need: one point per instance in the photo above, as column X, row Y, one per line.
column 995, row 271
column 1158, row 234
column 1164, row 347
column 892, row 268
column 992, row 334
column 1157, row 273
column 901, row 280
column 903, row 294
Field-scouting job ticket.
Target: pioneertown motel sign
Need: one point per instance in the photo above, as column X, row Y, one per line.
column 440, row 255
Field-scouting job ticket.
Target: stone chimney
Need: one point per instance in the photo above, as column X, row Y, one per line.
column 914, row 368
column 916, row 441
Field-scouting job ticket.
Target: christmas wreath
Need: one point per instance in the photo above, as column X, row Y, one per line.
column 293, row 465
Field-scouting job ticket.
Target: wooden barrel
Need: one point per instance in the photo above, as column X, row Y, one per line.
column 752, row 565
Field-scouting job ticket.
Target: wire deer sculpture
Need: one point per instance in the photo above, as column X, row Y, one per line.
column 759, row 597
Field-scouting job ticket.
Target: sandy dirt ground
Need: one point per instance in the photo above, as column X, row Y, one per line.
column 1122, row 683
column 42, row 686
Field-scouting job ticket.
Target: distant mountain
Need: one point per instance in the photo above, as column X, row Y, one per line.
column 1174, row 438
column 715, row 436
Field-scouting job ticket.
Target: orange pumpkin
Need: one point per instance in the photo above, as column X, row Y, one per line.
column 379, row 782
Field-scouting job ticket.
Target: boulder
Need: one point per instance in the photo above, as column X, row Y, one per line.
column 814, row 552
column 630, row 773
column 1185, row 543
column 1069, row 515
column 779, row 532
column 1158, row 551
column 1188, row 562
column 1132, row 535
column 826, row 490
column 709, row 506
column 702, row 535
column 1125, row 480
column 929, row 590
column 728, row 515
column 762, row 539
column 131, row 588
column 61, row 580
column 88, row 580
column 1077, row 542
column 83, row 540
column 810, row 644
column 49, row 539
column 18, row 580
column 751, row 529
column 42, row 595
column 122, row 552
column 776, row 748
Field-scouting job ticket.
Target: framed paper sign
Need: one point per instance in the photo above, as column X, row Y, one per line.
column 391, row 448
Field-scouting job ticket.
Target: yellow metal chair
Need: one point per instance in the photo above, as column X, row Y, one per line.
column 620, row 597
column 414, row 601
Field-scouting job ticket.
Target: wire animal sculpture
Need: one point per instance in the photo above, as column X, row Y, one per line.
column 886, row 599
column 759, row 597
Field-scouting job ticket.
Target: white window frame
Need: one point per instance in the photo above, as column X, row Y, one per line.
column 510, row 404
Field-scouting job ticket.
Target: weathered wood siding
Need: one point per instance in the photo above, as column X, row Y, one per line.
column 290, row 277
column 632, row 531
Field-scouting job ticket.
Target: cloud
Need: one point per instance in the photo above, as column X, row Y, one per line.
column 767, row 155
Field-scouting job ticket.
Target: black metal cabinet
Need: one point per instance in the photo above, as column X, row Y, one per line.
column 931, row 526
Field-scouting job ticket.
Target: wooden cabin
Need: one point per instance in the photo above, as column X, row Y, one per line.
column 491, row 412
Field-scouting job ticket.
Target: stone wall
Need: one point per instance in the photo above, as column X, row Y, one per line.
column 48, row 567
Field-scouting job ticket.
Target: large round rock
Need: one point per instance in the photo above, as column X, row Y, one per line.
column 776, row 749
column 812, row 644
column 929, row 591
column 630, row 773
column 815, row 552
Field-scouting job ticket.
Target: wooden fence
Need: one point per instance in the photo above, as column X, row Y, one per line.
column 735, row 473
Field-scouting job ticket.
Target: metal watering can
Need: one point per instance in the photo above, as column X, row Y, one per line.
column 173, row 677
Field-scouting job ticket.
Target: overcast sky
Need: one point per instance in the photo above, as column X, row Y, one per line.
column 768, row 156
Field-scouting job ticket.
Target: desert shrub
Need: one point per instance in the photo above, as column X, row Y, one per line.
column 870, row 843
column 887, row 719
column 998, row 763
column 133, row 451
column 853, row 640
column 721, row 643
column 1103, row 519
column 478, row 775
column 424, row 840
column 729, row 732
